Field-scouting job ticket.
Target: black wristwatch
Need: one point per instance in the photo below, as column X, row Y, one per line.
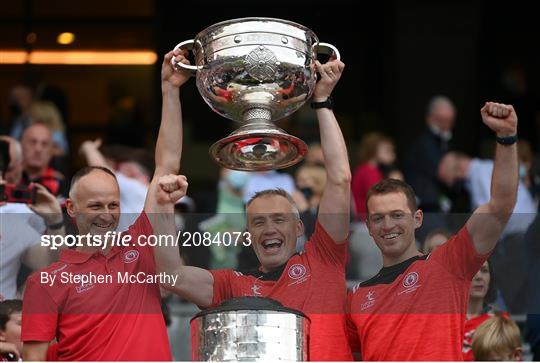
column 329, row 103
column 507, row 140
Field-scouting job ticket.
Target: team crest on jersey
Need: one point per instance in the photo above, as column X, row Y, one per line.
column 410, row 282
column 131, row 256
column 369, row 302
column 298, row 273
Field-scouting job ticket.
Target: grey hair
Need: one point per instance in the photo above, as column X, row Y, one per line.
column 278, row 191
column 437, row 101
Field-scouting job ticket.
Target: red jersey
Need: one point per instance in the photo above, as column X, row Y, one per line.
column 415, row 310
column 52, row 179
column 312, row 282
column 107, row 321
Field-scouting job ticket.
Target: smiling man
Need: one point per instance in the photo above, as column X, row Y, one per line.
column 111, row 319
column 312, row 281
column 414, row 308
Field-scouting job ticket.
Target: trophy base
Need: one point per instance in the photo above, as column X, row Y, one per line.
column 258, row 147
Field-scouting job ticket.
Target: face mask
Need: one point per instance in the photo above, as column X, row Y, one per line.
column 308, row 192
column 522, row 171
column 237, row 179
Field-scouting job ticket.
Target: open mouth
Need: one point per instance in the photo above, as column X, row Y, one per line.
column 390, row 236
column 272, row 244
column 478, row 288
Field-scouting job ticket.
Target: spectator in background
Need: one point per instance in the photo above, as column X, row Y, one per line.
column 426, row 152
column 310, row 181
column 481, row 295
column 376, row 160
column 20, row 100
column 10, row 329
column 435, row 239
column 21, row 228
column 37, row 150
column 47, row 114
column 12, row 162
column 497, row 339
column 229, row 217
column 314, row 155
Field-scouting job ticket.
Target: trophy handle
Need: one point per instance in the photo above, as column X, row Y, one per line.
column 188, row 44
column 327, row 48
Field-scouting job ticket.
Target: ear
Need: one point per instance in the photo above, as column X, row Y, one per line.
column 70, row 208
column 2, row 336
column 418, row 218
column 299, row 228
column 517, row 355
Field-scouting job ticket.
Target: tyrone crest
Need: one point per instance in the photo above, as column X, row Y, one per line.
column 297, row 271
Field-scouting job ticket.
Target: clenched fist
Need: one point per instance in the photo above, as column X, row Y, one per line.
column 500, row 118
column 171, row 188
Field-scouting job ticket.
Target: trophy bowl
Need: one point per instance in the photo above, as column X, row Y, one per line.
column 250, row 329
column 256, row 71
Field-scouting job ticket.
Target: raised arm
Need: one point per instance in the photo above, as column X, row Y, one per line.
column 90, row 151
column 166, row 188
column 193, row 284
column 334, row 209
column 488, row 221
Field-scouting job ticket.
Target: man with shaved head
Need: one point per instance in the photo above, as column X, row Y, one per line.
column 112, row 316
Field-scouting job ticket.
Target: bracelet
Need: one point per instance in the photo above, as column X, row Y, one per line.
column 507, row 140
column 56, row 225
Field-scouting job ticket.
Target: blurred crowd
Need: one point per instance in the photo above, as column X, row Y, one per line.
column 448, row 182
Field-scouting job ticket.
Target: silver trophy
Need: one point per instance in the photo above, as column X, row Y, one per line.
column 250, row 329
column 256, row 71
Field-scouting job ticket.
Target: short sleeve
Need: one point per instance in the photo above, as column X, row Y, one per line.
column 326, row 249
column 459, row 257
column 222, row 285
column 40, row 312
